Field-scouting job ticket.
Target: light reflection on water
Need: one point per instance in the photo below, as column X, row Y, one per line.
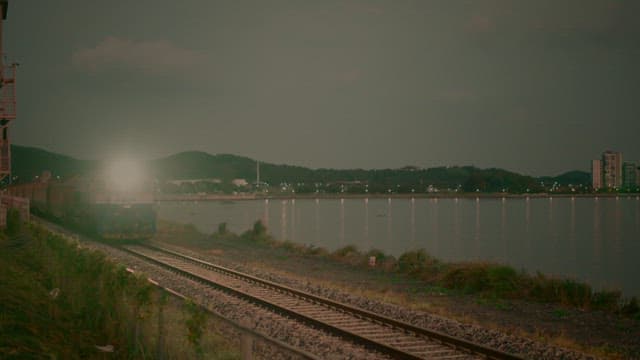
column 593, row 239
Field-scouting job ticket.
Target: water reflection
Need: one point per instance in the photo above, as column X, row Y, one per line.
column 389, row 237
column 283, row 219
column 503, row 224
column 597, row 241
column 527, row 224
column 476, row 236
column 317, row 222
column 435, row 225
column 342, row 221
column 593, row 239
column 366, row 224
column 413, row 223
column 265, row 213
column 572, row 236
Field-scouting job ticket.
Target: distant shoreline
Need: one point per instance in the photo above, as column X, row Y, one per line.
column 240, row 197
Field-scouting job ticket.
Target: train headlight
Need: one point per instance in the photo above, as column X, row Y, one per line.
column 125, row 175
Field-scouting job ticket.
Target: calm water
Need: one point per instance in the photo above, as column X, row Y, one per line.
column 596, row 240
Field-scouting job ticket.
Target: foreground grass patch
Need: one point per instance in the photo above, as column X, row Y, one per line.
column 61, row 301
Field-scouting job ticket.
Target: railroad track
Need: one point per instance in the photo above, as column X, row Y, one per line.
column 389, row 336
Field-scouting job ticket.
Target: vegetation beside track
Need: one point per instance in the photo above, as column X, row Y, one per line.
column 487, row 280
column 58, row 300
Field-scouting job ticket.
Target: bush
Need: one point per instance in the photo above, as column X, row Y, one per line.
column 347, row 251
column 259, row 229
column 14, row 223
column 606, row 300
column 503, row 280
column 222, row 229
column 417, row 263
column 631, row 307
column 378, row 254
column 257, row 233
column 470, row 278
column 574, row 293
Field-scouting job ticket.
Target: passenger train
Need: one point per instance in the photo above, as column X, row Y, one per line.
column 88, row 205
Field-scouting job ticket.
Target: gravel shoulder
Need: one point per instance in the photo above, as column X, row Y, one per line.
column 539, row 330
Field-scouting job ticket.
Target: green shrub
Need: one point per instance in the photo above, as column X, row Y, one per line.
column 222, row 229
column 257, row 233
column 347, row 251
column 417, row 263
column 14, row 223
column 378, row 254
column 608, row 300
column 470, row 278
column 503, row 280
column 574, row 293
column 631, row 307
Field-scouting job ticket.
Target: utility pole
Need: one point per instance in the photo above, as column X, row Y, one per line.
column 7, row 102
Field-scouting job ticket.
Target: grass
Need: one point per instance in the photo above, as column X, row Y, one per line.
column 495, row 286
column 58, row 301
column 487, row 280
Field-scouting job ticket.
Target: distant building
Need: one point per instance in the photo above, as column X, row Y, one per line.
column 194, row 181
column 630, row 174
column 612, row 169
column 240, row 182
column 596, row 174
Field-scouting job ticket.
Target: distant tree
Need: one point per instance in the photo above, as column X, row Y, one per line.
column 222, row 228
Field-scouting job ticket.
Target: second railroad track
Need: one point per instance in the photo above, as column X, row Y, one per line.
column 386, row 335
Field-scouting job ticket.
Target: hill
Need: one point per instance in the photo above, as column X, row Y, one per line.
column 575, row 177
column 29, row 162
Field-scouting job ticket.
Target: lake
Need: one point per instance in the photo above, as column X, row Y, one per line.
column 591, row 239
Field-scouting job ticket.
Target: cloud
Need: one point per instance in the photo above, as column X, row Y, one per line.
column 480, row 23
column 455, row 95
column 147, row 56
column 350, row 76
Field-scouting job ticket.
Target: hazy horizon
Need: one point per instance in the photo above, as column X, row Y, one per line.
column 310, row 167
column 537, row 88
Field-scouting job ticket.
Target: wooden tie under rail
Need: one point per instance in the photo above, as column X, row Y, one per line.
column 389, row 336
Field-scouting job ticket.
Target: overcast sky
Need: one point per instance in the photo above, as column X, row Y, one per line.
column 538, row 87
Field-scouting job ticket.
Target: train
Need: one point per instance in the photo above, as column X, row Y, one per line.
column 88, row 205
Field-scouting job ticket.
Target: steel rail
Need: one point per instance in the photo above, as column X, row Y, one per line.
column 453, row 342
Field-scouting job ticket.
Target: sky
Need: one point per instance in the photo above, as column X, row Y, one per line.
column 538, row 87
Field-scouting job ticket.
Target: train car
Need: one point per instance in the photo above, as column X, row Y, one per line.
column 89, row 205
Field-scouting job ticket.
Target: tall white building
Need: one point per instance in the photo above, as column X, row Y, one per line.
column 612, row 169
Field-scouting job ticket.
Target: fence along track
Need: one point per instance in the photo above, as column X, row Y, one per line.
column 395, row 338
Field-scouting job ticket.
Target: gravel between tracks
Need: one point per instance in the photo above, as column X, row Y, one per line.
column 286, row 330
column 488, row 337
column 314, row 341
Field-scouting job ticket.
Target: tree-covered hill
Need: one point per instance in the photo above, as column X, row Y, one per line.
column 29, row 162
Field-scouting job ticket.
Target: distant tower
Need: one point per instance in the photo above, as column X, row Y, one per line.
column 7, row 102
column 596, row 174
column 612, row 169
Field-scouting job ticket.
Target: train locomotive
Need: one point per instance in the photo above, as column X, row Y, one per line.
column 89, row 205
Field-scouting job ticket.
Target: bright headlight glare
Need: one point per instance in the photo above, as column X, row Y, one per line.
column 124, row 175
